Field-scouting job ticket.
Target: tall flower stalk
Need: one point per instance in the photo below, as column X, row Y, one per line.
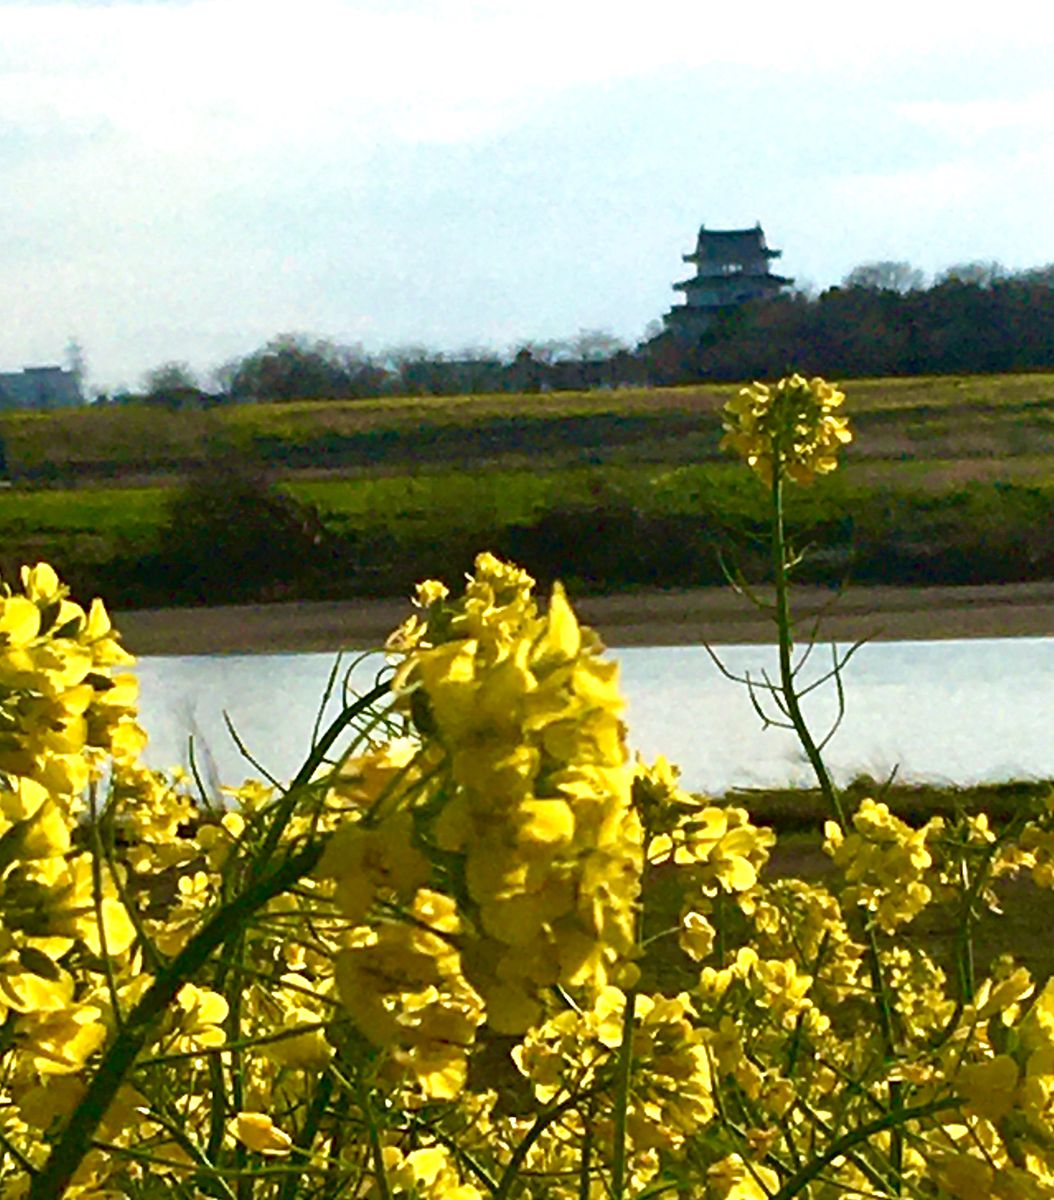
column 790, row 433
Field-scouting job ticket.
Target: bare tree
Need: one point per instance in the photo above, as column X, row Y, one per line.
column 594, row 345
column 885, row 276
column 979, row 273
column 1044, row 276
column 223, row 377
column 172, row 384
column 170, row 377
column 541, row 352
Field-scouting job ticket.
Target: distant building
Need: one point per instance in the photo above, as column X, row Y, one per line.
column 731, row 268
column 39, row 387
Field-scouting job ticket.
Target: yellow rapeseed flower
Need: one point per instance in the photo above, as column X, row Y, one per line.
column 791, row 426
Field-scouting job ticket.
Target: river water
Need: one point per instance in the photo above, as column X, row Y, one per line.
column 948, row 711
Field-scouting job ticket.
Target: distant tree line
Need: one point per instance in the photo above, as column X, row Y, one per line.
column 881, row 320
column 292, row 366
column 977, row 317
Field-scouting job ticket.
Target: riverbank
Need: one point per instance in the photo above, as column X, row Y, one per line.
column 660, row 618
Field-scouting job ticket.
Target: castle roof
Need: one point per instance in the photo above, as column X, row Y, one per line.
column 730, row 245
column 730, row 280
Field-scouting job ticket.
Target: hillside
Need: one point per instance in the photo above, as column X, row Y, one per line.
column 949, row 480
column 933, row 416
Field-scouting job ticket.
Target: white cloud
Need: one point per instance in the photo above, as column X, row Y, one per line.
column 183, row 166
column 1030, row 116
column 954, row 211
column 236, row 75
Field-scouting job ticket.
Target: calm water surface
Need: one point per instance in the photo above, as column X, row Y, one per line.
column 949, row 711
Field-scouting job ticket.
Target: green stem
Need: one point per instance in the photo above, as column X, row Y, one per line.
column 623, row 1079
column 152, row 958
column 624, row 1065
column 585, row 1161
column 308, row 1131
column 249, row 1043
column 118, row 1060
column 376, row 1149
column 786, row 642
column 286, row 806
column 801, row 729
column 842, row 1147
column 540, row 1124
column 217, row 1105
column 252, row 1173
column 823, row 778
column 233, row 1031
column 97, row 900
column 874, row 1176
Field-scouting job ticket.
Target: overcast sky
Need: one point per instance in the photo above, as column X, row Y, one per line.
column 182, row 179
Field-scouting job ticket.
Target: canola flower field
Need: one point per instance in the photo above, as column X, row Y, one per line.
column 441, row 961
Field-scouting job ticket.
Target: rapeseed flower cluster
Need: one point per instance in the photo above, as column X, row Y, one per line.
column 791, row 427
column 671, row 1096
column 67, row 959
column 885, row 863
column 533, row 816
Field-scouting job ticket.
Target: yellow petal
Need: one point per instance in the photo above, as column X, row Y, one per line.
column 31, row 993
column 738, row 874
column 45, row 834
column 562, row 639
column 98, row 621
column 40, row 582
column 510, row 1009
column 119, row 930
column 988, row 1086
column 426, row 1164
column 259, row 1133
column 212, row 1008
column 19, row 620
column 545, row 823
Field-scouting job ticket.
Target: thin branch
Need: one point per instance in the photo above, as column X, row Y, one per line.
column 245, row 752
column 192, row 762
column 837, row 722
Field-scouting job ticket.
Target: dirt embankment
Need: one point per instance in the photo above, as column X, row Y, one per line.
column 713, row 615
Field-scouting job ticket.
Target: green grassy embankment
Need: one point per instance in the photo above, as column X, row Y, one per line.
column 945, row 417
column 949, row 480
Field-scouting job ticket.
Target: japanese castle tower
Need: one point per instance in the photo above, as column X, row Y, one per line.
column 731, row 267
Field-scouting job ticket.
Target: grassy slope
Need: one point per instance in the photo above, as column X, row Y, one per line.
column 946, row 416
column 928, row 472
column 915, row 437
